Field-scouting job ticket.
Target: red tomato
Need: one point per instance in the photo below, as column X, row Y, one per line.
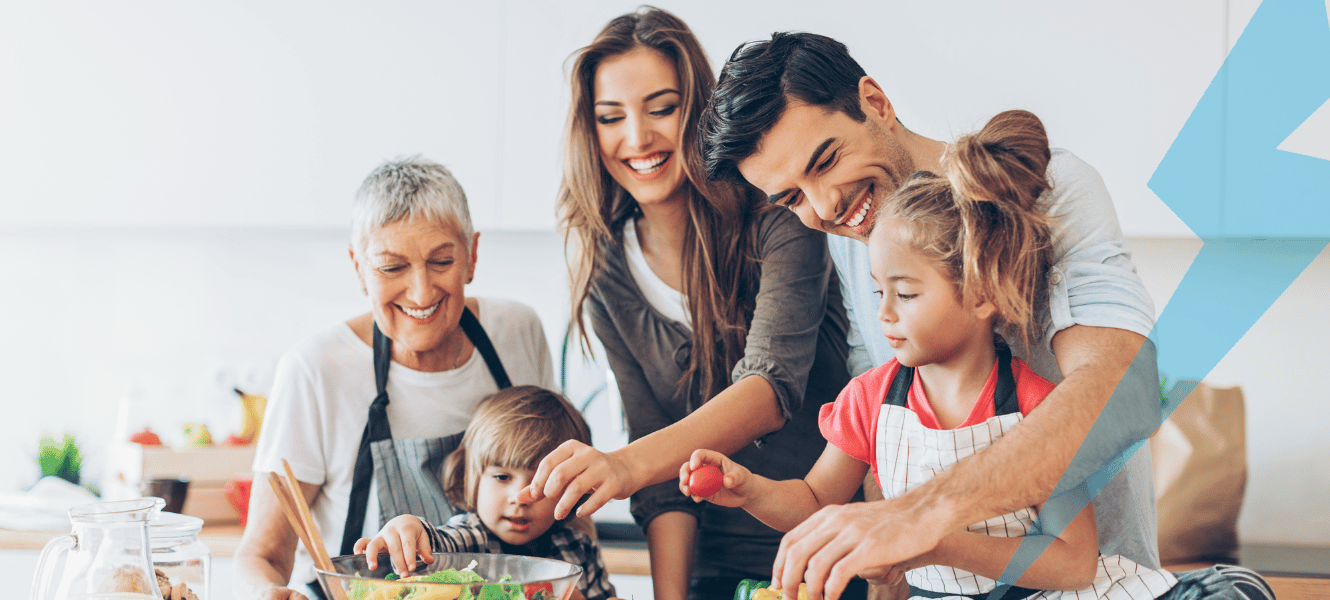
column 539, row 591
column 705, row 480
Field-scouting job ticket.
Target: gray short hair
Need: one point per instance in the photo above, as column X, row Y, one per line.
column 407, row 188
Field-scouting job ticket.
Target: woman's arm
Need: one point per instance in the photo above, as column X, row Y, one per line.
column 772, row 376
column 670, row 538
column 1069, row 563
column 266, row 554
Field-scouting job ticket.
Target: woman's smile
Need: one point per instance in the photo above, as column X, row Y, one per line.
column 422, row 316
column 649, row 167
column 637, row 112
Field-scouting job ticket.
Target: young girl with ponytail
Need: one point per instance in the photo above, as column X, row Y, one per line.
column 957, row 258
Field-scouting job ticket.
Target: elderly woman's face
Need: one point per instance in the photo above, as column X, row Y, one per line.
column 414, row 272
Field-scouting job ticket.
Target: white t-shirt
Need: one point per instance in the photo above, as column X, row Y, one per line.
column 320, row 403
column 665, row 299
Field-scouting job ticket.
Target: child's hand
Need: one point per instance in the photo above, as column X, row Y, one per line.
column 403, row 538
column 733, row 478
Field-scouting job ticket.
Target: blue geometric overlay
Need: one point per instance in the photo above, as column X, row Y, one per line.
column 1263, row 215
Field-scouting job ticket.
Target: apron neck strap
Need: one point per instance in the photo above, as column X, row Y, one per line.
column 1004, row 394
column 383, row 357
column 474, row 332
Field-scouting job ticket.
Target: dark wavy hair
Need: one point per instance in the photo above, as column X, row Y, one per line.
column 756, row 84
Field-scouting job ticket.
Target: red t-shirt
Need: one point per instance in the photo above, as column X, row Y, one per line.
column 850, row 423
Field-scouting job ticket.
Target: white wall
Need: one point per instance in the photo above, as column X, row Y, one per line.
column 259, row 114
column 174, row 180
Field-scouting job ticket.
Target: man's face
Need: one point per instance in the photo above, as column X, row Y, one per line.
column 829, row 169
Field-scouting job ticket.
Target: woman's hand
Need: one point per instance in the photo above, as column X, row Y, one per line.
column 734, row 479
column 404, row 538
column 574, row 470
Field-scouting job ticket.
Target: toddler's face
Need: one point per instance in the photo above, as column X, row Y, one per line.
column 499, row 509
column 920, row 314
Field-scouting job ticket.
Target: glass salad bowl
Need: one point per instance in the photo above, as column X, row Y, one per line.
column 505, row 577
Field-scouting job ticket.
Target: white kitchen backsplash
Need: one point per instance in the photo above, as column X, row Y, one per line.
column 170, row 320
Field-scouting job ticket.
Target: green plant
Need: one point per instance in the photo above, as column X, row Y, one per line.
column 59, row 458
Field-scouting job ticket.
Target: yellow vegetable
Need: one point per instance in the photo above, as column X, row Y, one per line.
column 770, row 594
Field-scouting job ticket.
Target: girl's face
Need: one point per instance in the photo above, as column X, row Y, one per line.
column 637, row 104
column 499, row 509
column 921, row 315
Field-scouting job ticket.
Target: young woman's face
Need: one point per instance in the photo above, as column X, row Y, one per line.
column 921, row 316
column 499, row 509
column 637, row 110
column 414, row 272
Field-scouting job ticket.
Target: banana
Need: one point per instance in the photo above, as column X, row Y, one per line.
column 253, row 406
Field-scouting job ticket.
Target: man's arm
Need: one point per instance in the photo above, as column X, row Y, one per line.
column 1021, row 469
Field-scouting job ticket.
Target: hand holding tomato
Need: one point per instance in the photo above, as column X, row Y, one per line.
column 711, row 476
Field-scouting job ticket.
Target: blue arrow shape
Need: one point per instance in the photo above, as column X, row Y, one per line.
column 1263, row 215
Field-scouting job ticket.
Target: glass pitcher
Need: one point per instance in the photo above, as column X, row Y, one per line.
column 107, row 556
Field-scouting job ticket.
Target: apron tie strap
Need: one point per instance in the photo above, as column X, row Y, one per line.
column 1005, row 401
column 377, row 429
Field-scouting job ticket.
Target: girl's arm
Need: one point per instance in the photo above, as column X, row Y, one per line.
column 781, row 505
column 1069, row 563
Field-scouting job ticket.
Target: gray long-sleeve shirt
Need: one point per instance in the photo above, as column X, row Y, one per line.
column 796, row 341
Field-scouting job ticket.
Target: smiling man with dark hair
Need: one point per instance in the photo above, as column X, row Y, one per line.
column 798, row 118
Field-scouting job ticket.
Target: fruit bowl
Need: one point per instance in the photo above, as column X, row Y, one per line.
column 529, row 578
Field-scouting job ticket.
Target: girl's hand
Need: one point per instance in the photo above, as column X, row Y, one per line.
column 404, row 539
column 734, row 478
column 574, row 470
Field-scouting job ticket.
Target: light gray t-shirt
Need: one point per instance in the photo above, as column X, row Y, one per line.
column 1092, row 282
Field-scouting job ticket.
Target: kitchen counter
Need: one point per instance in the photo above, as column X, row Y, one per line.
column 18, row 551
column 222, row 540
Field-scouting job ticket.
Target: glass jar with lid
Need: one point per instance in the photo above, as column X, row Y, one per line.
column 178, row 553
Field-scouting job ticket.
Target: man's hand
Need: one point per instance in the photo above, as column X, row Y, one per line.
column 841, row 541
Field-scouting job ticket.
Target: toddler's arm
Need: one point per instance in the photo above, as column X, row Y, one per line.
column 781, row 505
column 404, row 538
column 1070, row 562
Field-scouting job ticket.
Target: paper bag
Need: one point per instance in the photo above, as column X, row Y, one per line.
column 1200, row 469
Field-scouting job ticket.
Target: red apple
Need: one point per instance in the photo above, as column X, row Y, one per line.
column 146, row 438
column 235, row 440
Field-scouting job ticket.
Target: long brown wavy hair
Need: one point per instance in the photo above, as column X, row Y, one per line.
column 983, row 221
column 719, row 267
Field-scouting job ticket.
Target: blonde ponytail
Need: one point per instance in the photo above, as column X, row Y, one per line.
column 983, row 221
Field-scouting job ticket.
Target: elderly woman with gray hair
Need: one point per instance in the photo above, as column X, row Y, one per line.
column 362, row 459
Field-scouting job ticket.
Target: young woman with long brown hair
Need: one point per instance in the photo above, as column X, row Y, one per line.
column 721, row 320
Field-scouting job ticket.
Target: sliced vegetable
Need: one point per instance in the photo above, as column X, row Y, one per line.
column 746, row 588
column 770, row 594
column 539, row 591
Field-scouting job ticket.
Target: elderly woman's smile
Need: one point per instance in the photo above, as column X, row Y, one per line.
column 414, row 271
